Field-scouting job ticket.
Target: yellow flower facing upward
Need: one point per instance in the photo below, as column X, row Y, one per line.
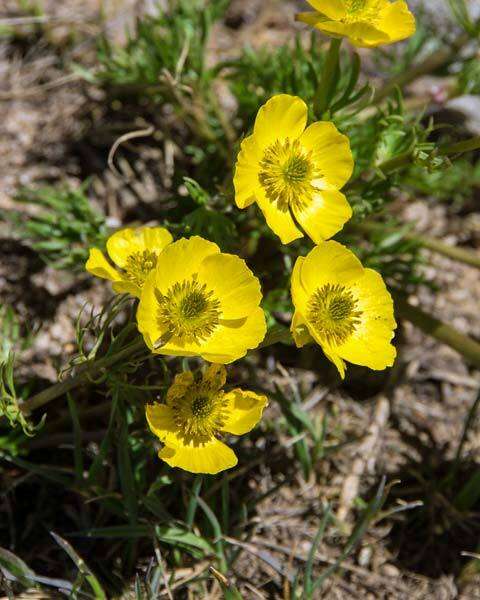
column 343, row 307
column 367, row 23
column 293, row 172
column 195, row 414
column 200, row 301
column 134, row 252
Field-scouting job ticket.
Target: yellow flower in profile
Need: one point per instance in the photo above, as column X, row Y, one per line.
column 367, row 23
column 293, row 172
column 343, row 307
column 195, row 414
column 135, row 252
column 200, row 301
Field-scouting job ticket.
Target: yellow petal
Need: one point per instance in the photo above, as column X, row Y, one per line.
column 147, row 313
column 370, row 344
column 244, row 410
column 127, row 287
column 299, row 328
column 211, row 457
column 300, row 295
column 312, row 18
column 245, row 179
column 99, row 266
column 333, row 9
column 279, row 221
column 397, row 21
column 155, row 239
column 232, row 339
column 182, row 259
column 160, row 419
column 329, row 262
column 282, row 117
column 126, row 242
column 325, row 215
column 363, row 35
column 215, row 377
column 330, row 152
column 335, row 359
column 181, row 383
column 121, row 245
column 232, row 283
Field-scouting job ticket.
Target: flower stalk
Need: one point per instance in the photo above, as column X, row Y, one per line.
column 326, row 85
column 90, row 371
column 467, row 257
column 468, row 348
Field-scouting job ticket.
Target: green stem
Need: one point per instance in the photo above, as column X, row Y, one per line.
column 434, row 61
column 459, row 254
column 460, row 147
column 405, row 159
column 326, row 85
column 468, row 348
column 91, row 370
column 440, row 331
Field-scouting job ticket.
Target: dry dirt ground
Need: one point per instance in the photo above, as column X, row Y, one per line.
column 412, row 433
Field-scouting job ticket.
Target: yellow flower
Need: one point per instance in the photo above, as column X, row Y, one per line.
column 135, row 252
column 343, row 307
column 367, row 23
column 195, row 413
column 199, row 301
column 294, row 173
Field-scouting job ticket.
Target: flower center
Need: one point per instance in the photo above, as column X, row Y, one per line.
column 139, row 265
column 332, row 310
column 188, row 311
column 286, row 174
column 199, row 415
column 362, row 10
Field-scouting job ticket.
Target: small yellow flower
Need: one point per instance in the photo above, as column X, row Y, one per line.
column 294, row 172
column 200, row 301
column 343, row 307
column 195, row 413
column 367, row 23
column 135, row 252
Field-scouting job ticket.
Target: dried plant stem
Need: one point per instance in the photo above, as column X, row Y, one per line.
column 468, row 348
column 462, row 255
column 434, row 61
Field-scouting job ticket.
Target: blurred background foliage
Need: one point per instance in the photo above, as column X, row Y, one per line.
column 93, row 456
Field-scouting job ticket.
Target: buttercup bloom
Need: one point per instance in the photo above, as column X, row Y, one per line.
column 195, row 414
column 200, row 301
column 367, row 23
column 294, row 173
column 135, row 252
column 343, row 307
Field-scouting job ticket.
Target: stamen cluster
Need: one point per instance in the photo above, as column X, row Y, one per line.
column 333, row 313
column 286, row 174
column 199, row 414
column 139, row 265
column 189, row 311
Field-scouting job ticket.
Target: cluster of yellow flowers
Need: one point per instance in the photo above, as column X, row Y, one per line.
column 195, row 300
